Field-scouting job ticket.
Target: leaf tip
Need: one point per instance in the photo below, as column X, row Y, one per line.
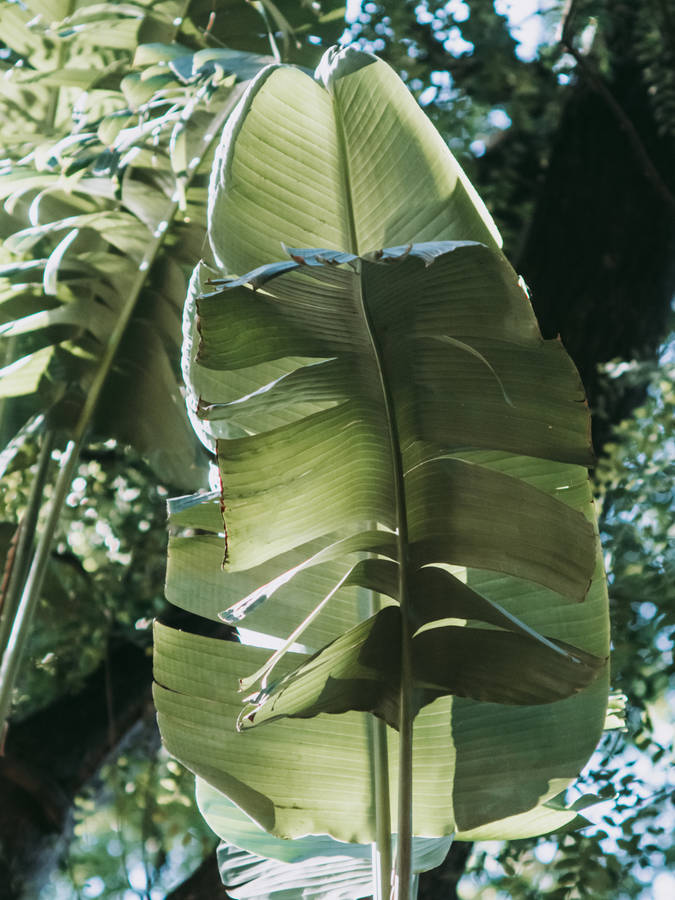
column 339, row 62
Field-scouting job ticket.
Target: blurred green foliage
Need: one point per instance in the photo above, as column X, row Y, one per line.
column 136, row 830
column 106, row 576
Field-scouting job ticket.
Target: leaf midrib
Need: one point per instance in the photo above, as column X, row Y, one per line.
column 406, row 712
column 343, row 162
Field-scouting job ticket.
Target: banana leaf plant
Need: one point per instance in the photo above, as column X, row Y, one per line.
column 404, row 514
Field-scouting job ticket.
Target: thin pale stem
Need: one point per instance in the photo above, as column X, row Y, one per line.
column 26, row 541
column 19, row 634
column 382, row 862
column 377, row 739
column 5, row 435
column 13, row 655
column 405, row 761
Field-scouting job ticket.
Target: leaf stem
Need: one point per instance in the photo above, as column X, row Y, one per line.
column 5, row 435
column 377, row 739
column 13, row 655
column 26, row 541
column 382, row 846
column 405, row 760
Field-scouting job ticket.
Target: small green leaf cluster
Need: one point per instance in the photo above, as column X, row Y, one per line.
column 134, row 824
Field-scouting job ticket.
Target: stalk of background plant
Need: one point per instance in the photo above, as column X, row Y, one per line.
column 26, row 541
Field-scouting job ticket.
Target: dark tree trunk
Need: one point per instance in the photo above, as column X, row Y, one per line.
column 203, row 884
column 599, row 255
column 441, row 883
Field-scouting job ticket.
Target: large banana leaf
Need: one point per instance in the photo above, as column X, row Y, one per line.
column 389, row 424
